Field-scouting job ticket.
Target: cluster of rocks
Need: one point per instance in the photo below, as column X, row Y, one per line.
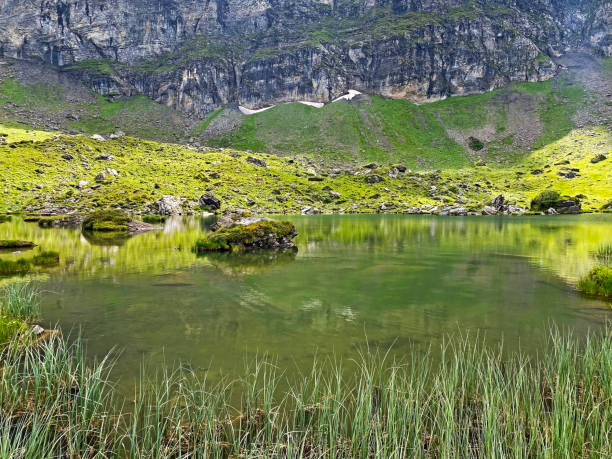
column 234, row 217
column 174, row 205
column 501, row 206
column 566, row 206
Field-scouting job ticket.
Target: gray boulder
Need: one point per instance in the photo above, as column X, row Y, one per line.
column 169, row 205
column 209, row 200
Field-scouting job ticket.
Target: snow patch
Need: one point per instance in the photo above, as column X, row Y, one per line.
column 248, row 111
column 351, row 94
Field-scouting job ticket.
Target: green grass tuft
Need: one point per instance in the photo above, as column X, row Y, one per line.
column 597, row 282
column 106, row 220
column 20, row 300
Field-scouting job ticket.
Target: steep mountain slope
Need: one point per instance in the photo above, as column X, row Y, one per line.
column 198, row 55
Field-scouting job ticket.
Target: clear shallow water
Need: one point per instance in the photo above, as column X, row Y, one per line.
column 399, row 282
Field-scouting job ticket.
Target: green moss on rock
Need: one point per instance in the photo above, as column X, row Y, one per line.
column 106, row 220
column 264, row 234
column 15, row 244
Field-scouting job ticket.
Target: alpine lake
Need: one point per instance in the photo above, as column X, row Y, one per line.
column 403, row 284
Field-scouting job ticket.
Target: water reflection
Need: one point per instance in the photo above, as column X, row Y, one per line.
column 388, row 280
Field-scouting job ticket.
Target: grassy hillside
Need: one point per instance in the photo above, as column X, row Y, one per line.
column 499, row 127
column 46, row 171
column 62, row 106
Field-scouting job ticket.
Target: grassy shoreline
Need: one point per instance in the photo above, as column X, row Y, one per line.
column 476, row 402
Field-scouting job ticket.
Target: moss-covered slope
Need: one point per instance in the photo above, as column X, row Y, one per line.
column 81, row 173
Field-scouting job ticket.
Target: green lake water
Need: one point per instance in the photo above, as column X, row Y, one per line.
column 395, row 282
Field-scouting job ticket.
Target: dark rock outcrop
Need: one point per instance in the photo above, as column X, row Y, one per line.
column 209, row 200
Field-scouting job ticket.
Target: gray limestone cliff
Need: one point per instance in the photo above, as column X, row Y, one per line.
column 196, row 55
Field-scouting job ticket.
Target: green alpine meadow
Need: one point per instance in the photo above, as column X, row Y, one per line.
column 314, row 229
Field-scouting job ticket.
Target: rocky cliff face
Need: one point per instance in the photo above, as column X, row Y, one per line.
column 196, row 55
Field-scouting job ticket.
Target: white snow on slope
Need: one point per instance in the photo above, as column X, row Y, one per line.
column 352, row 93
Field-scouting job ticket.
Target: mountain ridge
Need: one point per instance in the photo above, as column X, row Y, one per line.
column 198, row 56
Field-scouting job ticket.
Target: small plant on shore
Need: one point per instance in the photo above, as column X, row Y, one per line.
column 15, row 244
column 597, row 282
column 545, row 200
column 106, row 220
column 9, row 328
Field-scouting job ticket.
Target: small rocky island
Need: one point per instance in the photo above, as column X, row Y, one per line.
column 115, row 221
column 236, row 233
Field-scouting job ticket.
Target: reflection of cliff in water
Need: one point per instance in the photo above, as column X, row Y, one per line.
column 248, row 263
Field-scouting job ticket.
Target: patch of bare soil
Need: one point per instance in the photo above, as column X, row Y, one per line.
column 228, row 121
column 523, row 127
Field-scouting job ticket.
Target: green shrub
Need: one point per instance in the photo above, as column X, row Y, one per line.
column 261, row 235
column 15, row 244
column 475, row 144
column 545, row 200
column 154, row 219
column 106, row 220
column 597, row 282
column 5, row 218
